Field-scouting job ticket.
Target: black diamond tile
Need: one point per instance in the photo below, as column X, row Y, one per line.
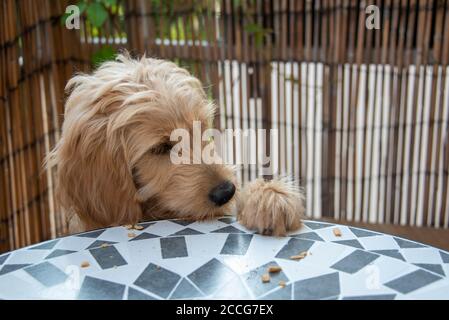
column 444, row 256
column 412, row 281
column 186, row 232
column 3, row 258
column 393, row 253
column 146, row 224
column 321, row 287
column 228, row 229
column 157, row 280
column 355, row 261
column 185, row 290
column 437, row 268
column 134, row 294
column 108, row 257
column 254, row 282
column 351, row 243
column 405, row 244
column 227, row 220
column 98, row 289
column 45, row 246
column 7, row 268
column 308, row 235
column 210, row 276
column 174, row 247
column 372, row 297
column 279, row 294
column 91, row 234
column 47, row 274
column 58, row 253
column 144, row 236
column 360, row 233
column 317, row 225
column 99, row 243
column 183, row 222
column 236, row 244
column 294, row 247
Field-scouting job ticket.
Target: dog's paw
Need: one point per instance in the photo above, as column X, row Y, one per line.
column 271, row 207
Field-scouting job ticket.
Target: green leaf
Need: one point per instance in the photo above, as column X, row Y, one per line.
column 259, row 40
column 64, row 18
column 96, row 14
column 110, row 3
column 253, row 28
column 258, row 31
column 82, row 6
column 105, row 53
column 94, row 32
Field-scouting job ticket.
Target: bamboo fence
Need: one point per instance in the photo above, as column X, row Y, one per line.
column 362, row 114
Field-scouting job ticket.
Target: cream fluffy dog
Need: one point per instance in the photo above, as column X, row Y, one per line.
column 113, row 159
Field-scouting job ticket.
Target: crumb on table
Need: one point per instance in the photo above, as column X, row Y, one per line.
column 274, row 269
column 337, row 232
column 133, row 227
column 85, row 264
column 300, row 256
column 265, row 278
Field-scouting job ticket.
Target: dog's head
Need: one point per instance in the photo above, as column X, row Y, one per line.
column 113, row 157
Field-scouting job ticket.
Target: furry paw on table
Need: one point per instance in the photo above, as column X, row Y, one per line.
column 271, row 207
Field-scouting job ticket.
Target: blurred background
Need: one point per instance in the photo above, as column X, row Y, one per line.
column 358, row 91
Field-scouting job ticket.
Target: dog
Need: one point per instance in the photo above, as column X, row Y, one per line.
column 113, row 158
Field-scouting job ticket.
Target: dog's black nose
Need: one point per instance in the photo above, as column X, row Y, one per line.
column 222, row 193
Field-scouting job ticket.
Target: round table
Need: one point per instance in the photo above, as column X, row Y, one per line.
column 220, row 259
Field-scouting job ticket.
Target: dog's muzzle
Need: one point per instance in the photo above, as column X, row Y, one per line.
column 222, row 193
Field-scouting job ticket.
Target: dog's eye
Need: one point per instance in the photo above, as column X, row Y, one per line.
column 162, row 148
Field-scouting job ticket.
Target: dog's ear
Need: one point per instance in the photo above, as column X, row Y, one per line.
column 94, row 176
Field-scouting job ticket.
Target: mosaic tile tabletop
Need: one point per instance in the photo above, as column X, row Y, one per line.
column 220, row 259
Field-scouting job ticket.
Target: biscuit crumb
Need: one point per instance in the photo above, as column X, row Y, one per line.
column 85, row 264
column 274, row 269
column 133, row 227
column 300, row 256
column 282, row 284
column 131, row 235
column 337, row 232
column 104, row 245
column 265, row 278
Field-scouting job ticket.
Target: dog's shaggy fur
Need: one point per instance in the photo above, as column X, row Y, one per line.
column 113, row 162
